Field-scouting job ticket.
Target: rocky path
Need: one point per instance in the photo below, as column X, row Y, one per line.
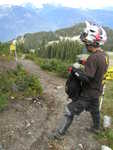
column 26, row 124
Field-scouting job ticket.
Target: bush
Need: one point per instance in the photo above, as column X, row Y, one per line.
column 106, row 137
column 18, row 83
column 3, row 101
column 50, row 65
column 25, row 83
column 56, row 66
column 62, row 69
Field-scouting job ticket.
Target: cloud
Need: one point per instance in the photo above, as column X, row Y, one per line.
column 68, row 3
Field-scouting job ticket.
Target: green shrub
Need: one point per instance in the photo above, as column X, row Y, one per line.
column 56, row 66
column 50, row 65
column 16, row 83
column 3, row 101
column 62, row 69
column 26, row 83
column 106, row 137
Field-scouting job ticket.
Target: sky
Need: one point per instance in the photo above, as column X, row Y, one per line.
column 95, row 4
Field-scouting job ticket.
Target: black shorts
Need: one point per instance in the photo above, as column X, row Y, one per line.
column 84, row 103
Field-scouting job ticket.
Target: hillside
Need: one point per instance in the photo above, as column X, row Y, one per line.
column 35, row 40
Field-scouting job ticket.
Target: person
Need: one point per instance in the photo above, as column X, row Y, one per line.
column 96, row 66
column 13, row 49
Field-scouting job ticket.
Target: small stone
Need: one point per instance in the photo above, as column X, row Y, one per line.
column 81, row 146
column 107, row 121
column 12, row 97
column 32, row 121
column 27, row 124
column 59, row 87
column 105, row 148
column 29, row 133
column 12, row 132
column 29, row 98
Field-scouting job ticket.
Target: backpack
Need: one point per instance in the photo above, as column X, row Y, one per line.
column 73, row 86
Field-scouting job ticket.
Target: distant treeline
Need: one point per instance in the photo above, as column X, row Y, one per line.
column 34, row 40
column 64, row 50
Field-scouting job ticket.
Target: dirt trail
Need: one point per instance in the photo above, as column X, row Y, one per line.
column 26, row 124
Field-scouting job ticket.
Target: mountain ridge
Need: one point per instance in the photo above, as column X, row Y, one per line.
column 18, row 20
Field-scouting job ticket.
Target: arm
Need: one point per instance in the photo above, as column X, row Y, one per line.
column 90, row 69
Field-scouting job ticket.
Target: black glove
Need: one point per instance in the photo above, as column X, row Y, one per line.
column 80, row 75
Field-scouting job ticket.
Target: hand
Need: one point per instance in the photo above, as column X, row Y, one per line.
column 82, row 61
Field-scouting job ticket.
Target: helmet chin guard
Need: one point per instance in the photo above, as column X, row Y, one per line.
column 93, row 35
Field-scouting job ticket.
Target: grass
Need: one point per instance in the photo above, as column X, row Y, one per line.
column 106, row 136
column 110, row 55
column 108, row 100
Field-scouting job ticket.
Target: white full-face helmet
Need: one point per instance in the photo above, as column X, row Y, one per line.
column 93, row 35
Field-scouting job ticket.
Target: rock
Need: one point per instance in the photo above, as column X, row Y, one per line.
column 107, row 121
column 34, row 101
column 12, row 132
column 27, row 124
column 29, row 98
column 12, row 97
column 81, row 146
column 32, row 121
column 59, row 87
column 103, row 147
column 29, row 133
